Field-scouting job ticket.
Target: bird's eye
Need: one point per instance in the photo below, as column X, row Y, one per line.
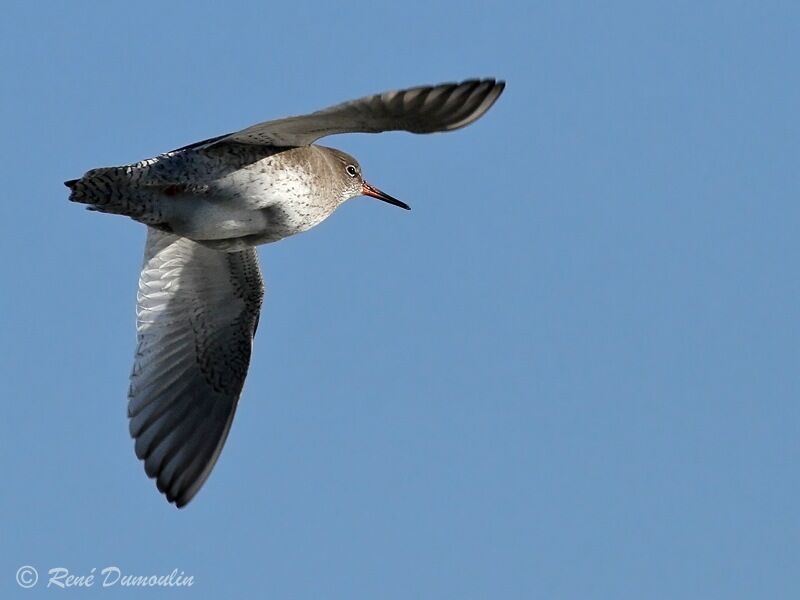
column 351, row 170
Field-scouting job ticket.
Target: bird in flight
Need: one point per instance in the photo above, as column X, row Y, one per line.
column 206, row 206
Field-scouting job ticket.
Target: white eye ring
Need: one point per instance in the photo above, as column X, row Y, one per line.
column 351, row 170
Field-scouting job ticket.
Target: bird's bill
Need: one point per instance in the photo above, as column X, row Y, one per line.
column 374, row 192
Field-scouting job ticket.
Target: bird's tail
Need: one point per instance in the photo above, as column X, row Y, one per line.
column 109, row 190
column 100, row 189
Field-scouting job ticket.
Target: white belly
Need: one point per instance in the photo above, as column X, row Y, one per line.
column 259, row 200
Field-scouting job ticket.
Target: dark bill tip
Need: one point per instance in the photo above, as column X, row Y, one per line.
column 374, row 192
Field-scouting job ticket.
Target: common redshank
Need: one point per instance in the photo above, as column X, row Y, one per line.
column 207, row 205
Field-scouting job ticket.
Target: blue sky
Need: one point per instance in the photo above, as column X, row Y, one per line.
column 571, row 371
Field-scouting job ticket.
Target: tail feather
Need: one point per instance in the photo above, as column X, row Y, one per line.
column 106, row 189
column 113, row 190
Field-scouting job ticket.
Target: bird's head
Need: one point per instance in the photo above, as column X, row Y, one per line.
column 347, row 172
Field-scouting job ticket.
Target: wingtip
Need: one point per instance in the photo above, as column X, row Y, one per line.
column 497, row 85
column 486, row 91
column 178, row 498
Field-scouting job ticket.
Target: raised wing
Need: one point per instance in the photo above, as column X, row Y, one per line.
column 197, row 312
column 426, row 109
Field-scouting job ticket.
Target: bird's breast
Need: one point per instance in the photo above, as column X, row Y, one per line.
column 288, row 198
column 261, row 198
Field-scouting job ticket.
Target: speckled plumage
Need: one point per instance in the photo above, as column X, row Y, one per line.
column 206, row 206
column 228, row 196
